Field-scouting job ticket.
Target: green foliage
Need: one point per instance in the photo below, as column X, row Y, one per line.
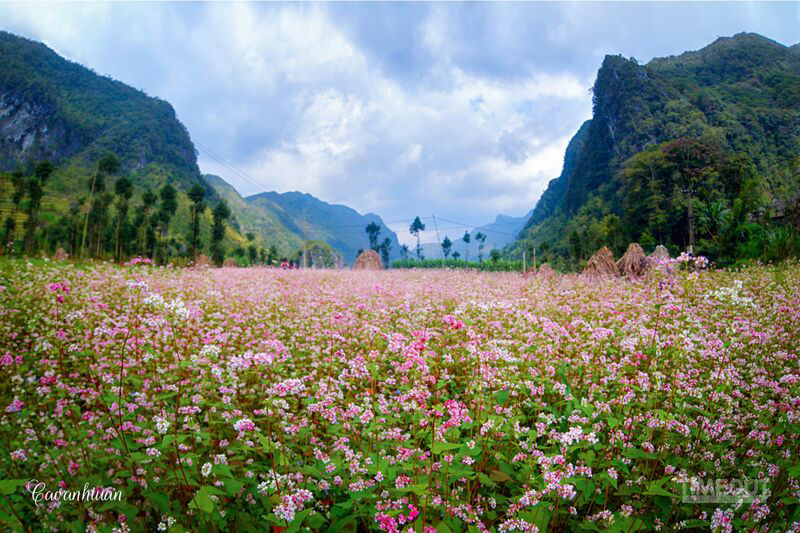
column 497, row 264
column 696, row 147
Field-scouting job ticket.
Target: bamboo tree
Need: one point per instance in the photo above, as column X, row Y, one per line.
column 108, row 164
column 35, row 193
column 196, row 195
column 124, row 190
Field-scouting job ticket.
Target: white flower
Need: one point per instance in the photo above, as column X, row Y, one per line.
column 206, row 469
column 162, row 425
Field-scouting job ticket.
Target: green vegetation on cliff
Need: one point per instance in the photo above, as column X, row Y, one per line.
column 738, row 98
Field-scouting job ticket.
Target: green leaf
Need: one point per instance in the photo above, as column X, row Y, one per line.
column 500, row 477
column 10, row 486
column 418, row 489
column 202, row 499
column 160, row 501
column 339, row 525
column 232, row 486
column 439, row 447
column 502, row 396
column 485, row 480
column 655, row 489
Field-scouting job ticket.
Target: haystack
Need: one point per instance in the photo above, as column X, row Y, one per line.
column 660, row 253
column 634, row 263
column 601, row 265
column 60, row 255
column 229, row 263
column 202, row 261
column 368, row 260
column 545, row 270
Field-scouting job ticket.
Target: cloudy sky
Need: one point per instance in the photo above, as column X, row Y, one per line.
column 402, row 109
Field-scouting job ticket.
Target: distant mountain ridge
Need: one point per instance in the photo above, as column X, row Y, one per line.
column 499, row 233
column 285, row 218
column 340, row 226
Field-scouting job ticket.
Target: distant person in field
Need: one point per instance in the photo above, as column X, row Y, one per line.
column 284, row 264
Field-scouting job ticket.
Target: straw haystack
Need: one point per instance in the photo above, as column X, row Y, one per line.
column 660, row 253
column 229, row 263
column 60, row 255
column 202, row 261
column 368, row 260
column 634, row 263
column 545, row 270
column 601, row 265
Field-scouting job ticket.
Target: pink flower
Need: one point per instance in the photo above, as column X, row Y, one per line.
column 244, row 424
column 15, row 406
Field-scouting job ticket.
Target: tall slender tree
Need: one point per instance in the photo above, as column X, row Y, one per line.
column 373, row 230
column 416, row 227
column 19, row 186
column 481, row 238
column 196, row 194
column 35, row 192
column 123, row 188
column 108, row 164
column 447, row 245
column 221, row 214
column 385, row 248
column 169, row 204
column 694, row 160
column 466, row 240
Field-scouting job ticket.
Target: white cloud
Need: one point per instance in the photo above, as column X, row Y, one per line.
column 467, row 118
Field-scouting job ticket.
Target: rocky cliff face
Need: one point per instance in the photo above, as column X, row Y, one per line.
column 31, row 130
column 740, row 93
column 51, row 108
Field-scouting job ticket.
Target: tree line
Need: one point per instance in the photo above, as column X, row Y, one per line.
column 111, row 222
column 688, row 194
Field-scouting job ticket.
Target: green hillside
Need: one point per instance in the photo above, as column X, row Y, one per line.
column 250, row 218
column 56, row 110
column 734, row 105
column 340, row 226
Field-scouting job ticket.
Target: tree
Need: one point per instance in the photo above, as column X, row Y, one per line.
column 384, row 249
column 143, row 225
column 123, row 188
column 694, row 160
column 404, row 251
column 169, row 204
column 19, row 185
column 35, row 192
column 221, row 213
column 414, row 229
column 466, row 240
column 645, row 187
column 447, row 245
column 456, row 255
column 373, row 230
column 108, row 164
column 196, row 194
column 272, row 254
column 481, row 238
column 494, row 255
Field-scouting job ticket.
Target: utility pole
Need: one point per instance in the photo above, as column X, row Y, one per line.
column 437, row 232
